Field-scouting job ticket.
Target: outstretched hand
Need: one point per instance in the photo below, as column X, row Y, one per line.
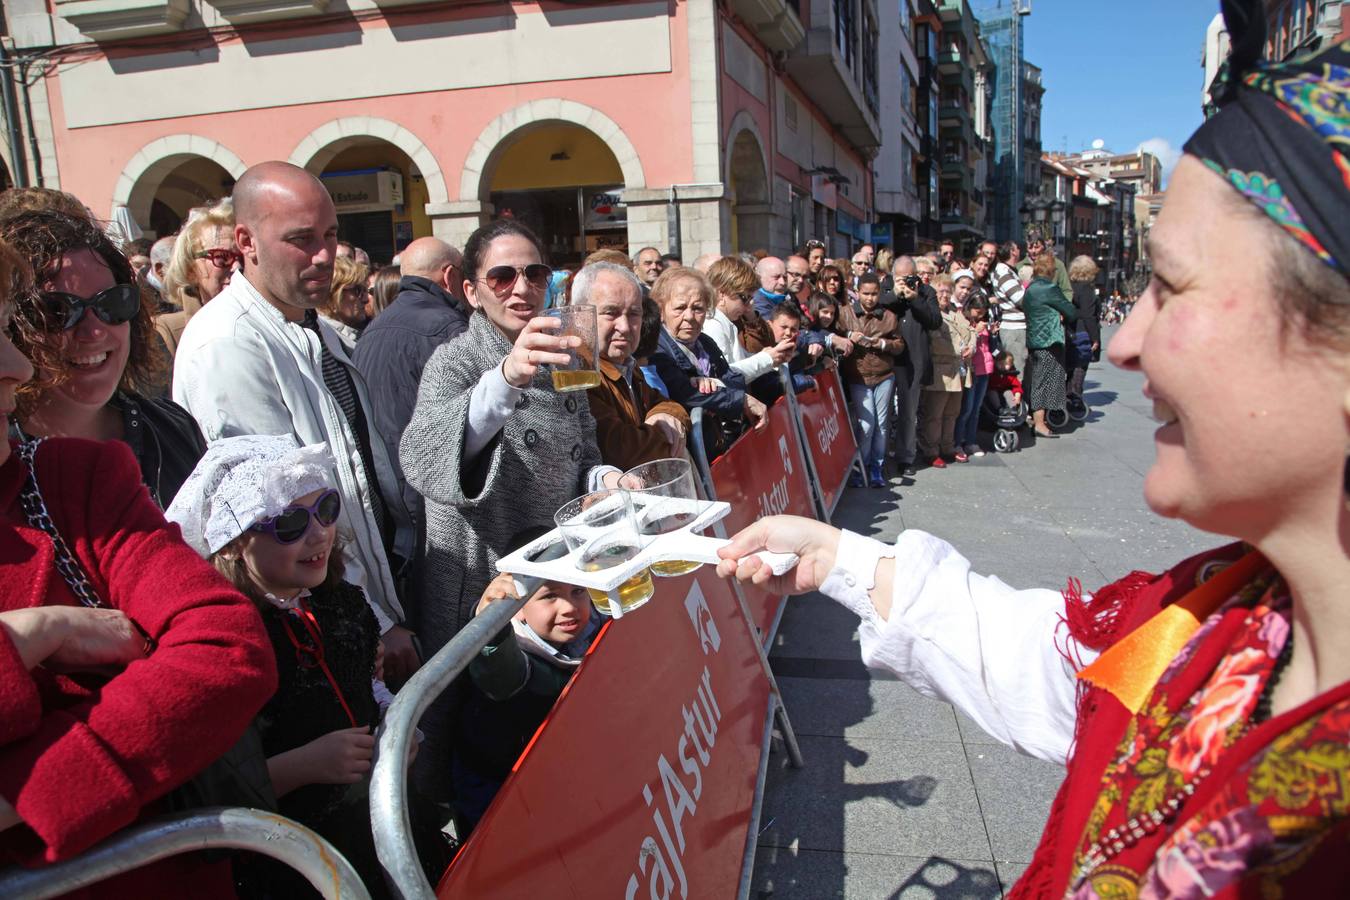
column 815, row 543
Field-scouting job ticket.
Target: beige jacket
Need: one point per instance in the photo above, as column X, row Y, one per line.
column 953, row 337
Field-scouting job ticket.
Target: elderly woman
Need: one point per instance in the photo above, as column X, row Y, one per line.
column 346, row 306
column 1047, row 309
column 203, row 260
column 690, row 364
column 1085, row 331
column 126, row 664
column 1203, row 714
column 88, row 331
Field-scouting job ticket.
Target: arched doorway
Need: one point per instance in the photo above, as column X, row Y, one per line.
column 379, row 191
column 748, row 186
column 195, row 181
column 564, row 182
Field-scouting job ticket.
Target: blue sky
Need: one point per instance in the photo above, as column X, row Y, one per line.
column 1125, row 71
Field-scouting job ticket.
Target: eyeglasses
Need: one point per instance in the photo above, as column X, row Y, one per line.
column 746, row 296
column 62, row 312
column 501, row 279
column 293, row 521
column 356, row 290
column 221, row 257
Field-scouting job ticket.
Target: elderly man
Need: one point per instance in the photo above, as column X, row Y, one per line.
column 773, row 286
column 647, row 265
column 428, row 311
column 633, row 423
column 258, row 360
column 705, row 262
column 915, row 306
column 161, row 253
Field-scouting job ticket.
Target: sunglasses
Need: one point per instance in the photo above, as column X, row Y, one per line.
column 119, row 303
column 293, row 521
column 815, row 245
column 220, row 257
column 501, row 279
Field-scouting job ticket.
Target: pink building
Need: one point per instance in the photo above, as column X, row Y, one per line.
column 689, row 125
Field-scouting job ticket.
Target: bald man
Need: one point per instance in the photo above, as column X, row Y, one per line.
column 704, row 262
column 428, row 311
column 258, row 360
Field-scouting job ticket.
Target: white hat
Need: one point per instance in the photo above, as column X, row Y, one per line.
column 963, row 273
column 243, row 480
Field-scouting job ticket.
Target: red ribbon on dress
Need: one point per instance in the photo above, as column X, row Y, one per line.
column 315, row 652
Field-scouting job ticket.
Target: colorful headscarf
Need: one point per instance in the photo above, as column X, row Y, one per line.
column 1281, row 135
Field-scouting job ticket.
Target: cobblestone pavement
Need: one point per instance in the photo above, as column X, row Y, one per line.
column 902, row 796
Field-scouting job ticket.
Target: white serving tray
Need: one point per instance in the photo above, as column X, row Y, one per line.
column 544, row 559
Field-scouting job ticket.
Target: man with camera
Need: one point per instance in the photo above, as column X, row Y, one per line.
column 915, row 306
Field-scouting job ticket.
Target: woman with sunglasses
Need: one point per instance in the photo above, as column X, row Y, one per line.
column 263, row 510
column 87, row 330
column 204, row 258
column 491, row 447
column 126, row 664
column 831, row 283
column 734, row 326
column 346, row 306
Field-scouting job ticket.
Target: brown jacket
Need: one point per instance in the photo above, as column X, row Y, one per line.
column 871, row 365
column 620, row 413
column 755, row 332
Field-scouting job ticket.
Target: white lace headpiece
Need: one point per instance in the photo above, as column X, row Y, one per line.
column 243, row 480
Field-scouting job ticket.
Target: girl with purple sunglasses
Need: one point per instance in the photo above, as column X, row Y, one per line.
column 263, row 510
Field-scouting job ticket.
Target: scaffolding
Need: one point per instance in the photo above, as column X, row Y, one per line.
column 1001, row 28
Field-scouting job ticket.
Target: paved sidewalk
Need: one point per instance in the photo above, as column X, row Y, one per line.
column 902, row 796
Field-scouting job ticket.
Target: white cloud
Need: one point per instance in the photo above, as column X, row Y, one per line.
column 1168, row 155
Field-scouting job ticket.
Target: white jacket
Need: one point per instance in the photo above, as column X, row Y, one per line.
column 242, row 368
column 727, row 337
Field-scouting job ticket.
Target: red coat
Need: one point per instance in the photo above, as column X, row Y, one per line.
column 83, row 756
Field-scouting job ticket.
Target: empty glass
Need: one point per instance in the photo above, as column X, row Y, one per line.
column 602, row 526
column 583, row 371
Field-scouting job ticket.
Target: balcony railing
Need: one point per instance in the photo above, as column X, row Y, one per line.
column 835, row 83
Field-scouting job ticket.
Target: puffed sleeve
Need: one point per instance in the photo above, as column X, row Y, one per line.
column 87, row 769
column 995, row 653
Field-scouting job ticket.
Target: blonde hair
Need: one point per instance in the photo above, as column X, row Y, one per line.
column 732, row 275
column 1083, row 268
column 923, row 263
column 940, row 279
column 178, row 284
column 346, row 272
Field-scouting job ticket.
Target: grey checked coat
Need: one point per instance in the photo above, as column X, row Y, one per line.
column 541, row 459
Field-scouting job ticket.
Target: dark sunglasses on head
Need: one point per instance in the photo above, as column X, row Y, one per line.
column 119, row 303
column 501, row 279
column 293, row 521
column 221, row 257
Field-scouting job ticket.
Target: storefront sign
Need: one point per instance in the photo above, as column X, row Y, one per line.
column 368, row 190
column 605, row 210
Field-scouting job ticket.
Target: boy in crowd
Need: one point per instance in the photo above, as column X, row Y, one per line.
column 785, row 321
column 870, row 371
column 513, row 684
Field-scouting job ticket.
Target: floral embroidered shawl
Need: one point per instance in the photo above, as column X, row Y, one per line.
column 1190, row 797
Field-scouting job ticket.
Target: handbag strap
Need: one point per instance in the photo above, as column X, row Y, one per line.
column 35, row 509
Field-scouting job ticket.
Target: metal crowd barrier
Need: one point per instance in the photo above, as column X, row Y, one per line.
column 283, row 839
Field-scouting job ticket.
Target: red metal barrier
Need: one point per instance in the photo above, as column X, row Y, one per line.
column 828, row 435
column 764, row 474
column 642, row 781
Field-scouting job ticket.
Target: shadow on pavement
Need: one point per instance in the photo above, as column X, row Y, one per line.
column 946, row 879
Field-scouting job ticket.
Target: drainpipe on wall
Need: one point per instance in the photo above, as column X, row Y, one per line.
column 28, row 119
column 14, row 133
column 673, row 213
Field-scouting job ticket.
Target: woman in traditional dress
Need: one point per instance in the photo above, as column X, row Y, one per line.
column 1203, row 714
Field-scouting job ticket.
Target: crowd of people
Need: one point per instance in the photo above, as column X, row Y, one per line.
column 334, row 455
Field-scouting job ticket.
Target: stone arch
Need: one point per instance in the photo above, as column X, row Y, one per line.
column 144, row 173
column 747, row 177
column 319, row 147
column 476, row 178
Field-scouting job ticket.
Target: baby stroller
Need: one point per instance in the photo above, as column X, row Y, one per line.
column 1004, row 420
column 1077, row 355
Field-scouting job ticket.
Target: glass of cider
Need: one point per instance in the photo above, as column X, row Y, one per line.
column 664, row 500
column 602, row 526
column 583, row 369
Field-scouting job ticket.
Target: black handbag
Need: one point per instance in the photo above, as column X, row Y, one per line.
column 239, row 777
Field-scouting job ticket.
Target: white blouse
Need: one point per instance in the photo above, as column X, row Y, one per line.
column 993, row 652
